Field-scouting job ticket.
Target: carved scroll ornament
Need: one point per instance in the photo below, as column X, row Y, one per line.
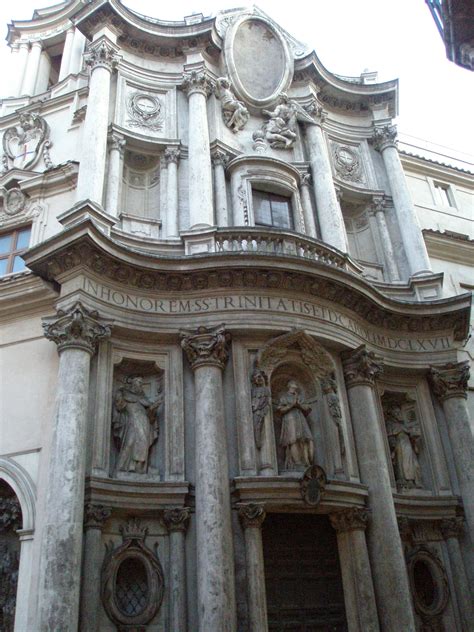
column 22, row 143
column 206, row 346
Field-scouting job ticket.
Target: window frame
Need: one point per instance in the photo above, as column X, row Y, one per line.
column 14, row 252
column 272, row 194
column 449, row 194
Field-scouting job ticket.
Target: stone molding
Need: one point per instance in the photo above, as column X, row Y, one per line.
column 306, row 179
column 452, row 527
column 350, row 519
column 252, row 515
column 220, row 157
column 76, row 328
column 206, row 347
column 384, row 136
column 117, row 142
column 95, row 516
column 316, row 111
column 199, row 81
column 101, row 54
column 361, row 366
column 450, row 380
column 172, row 155
column 177, row 519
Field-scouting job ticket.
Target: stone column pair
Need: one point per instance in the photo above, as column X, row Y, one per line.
column 378, row 209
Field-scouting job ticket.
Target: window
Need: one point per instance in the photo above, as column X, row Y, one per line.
column 12, row 246
column 443, row 194
column 272, row 210
column 141, row 191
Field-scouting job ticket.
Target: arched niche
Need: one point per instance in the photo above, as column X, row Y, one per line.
column 296, row 356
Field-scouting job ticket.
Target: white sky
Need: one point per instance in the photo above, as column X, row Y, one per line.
column 397, row 38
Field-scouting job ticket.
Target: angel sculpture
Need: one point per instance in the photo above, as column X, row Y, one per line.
column 280, row 129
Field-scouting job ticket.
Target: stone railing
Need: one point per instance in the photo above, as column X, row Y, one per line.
column 263, row 241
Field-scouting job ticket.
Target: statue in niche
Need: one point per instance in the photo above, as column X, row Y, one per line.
column 135, row 425
column 403, row 438
column 295, row 437
column 329, row 387
column 261, row 400
column 234, row 112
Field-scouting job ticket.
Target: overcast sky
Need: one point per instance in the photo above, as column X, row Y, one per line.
column 398, row 39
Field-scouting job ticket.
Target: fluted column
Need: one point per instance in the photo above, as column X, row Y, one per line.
column 116, row 144
column 329, row 212
column 378, row 209
column 95, row 516
column 172, row 155
column 76, row 333
column 101, row 58
column 307, row 204
column 67, row 51
column 452, row 529
column 32, row 67
column 359, row 596
column 384, row 140
column 21, row 61
column 219, row 160
column 449, row 383
column 385, row 548
column 197, row 85
column 176, row 521
column 207, row 352
column 251, row 517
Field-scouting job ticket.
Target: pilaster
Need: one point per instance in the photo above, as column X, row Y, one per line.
column 176, row 521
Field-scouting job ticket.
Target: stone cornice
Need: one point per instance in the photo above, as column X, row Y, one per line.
column 84, row 246
column 449, row 247
column 25, row 293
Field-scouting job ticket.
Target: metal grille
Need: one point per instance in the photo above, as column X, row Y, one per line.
column 131, row 587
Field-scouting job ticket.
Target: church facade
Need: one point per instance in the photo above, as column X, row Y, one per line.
column 235, row 323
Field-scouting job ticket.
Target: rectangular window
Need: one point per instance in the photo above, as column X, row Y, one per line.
column 272, row 210
column 12, row 246
column 443, row 195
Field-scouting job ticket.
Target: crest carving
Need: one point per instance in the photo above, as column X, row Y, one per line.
column 313, row 484
column 347, row 163
column 14, row 201
column 22, row 143
column 145, row 110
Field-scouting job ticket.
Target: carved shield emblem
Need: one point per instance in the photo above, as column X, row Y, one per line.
column 22, row 143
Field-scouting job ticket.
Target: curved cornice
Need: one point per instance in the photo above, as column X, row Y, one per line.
column 84, row 246
column 56, row 18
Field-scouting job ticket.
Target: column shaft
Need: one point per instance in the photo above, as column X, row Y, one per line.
column 386, row 243
column 66, row 57
column 177, row 582
column 172, row 209
column 90, row 594
column 24, row 580
column 114, row 175
column 32, row 67
column 21, row 62
column 330, row 217
column 308, row 213
column 219, row 160
column 461, row 583
column 44, row 70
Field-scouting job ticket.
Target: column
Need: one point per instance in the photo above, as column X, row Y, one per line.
column 75, row 63
column 449, row 384
column 21, row 61
column 251, row 517
column 384, row 140
column 44, row 72
column 359, row 596
column 330, row 217
column 76, row 332
column 172, row 210
column 95, row 516
column 207, row 352
column 307, row 204
column 378, row 208
column 116, row 144
column 32, row 67
column 24, row 579
column 66, row 56
column 102, row 60
column 198, row 86
column 219, row 160
column 451, row 530
column 176, row 521
column 385, row 548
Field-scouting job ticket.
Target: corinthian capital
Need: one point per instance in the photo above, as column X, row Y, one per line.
column 206, row 346
column 384, row 137
column 349, row 519
column 197, row 81
column 361, row 366
column 102, row 54
column 76, row 328
column 219, row 157
column 172, row 155
column 450, row 380
column 117, row 142
column 252, row 515
column 95, row 516
column 452, row 527
column 177, row 519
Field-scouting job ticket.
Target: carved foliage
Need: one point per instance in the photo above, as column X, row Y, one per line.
column 361, row 366
column 145, row 110
column 313, row 484
column 313, row 355
column 77, row 328
column 177, row 519
column 132, row 581
column 22, row 143
column 101, row 54
column 197, row 81
column 252, row 515
column 95, row 516
column 206, row 346
column 385, row 136
column 350, row 519
column 450, row 380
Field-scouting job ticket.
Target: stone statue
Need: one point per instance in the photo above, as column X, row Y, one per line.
column 280, row 129
column 261, row 399
column 329, row 387
column 296, row 435
column 234, row 112
column 135, row 425
column 403, row 439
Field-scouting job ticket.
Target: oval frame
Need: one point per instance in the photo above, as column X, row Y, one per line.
column 439, row 577
column 237, row 85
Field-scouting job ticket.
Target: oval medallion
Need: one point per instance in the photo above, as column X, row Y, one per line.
column 254, row 39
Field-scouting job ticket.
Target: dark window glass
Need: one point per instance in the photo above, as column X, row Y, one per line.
column 132, row 587
column 425, row 585
column 12, row 245
column 272, row 210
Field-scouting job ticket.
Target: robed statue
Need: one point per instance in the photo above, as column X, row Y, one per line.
column 295, row 435
column 135, row 425
column 261, row 402
column 403, row 439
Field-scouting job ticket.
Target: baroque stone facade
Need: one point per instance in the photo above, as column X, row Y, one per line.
column 255, row 413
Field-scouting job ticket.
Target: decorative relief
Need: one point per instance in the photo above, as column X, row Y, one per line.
column 95, row 516
column 23, row 143
column 234, row 112
column 316, row 112
column 101, row 54
column 172, row 155
column 177, row 519
column 280, row 130
column 351, row 519
column 295, row 437
column 313, row 354
column 145, row 110
column 252, row 515
column 132, row 581
column 347, row 163
column 313, row 484
column 361, row 366
column 14, row 201
column 197, row 81
column 404, row 437
column 220, row 157
column 243, row 198
column 206, row 346
column 75, row 328
column 385, row 136
column 450, row 380
column 329, row 388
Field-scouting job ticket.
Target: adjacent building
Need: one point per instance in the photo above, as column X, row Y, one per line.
column 235, row 322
